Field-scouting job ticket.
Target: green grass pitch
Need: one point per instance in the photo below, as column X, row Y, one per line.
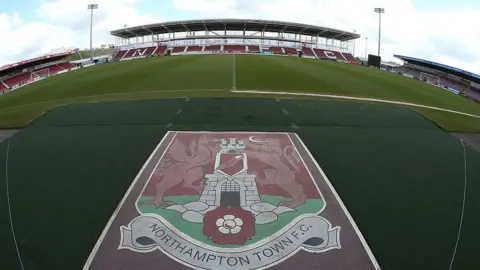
column 400, row 176
column 213, row 76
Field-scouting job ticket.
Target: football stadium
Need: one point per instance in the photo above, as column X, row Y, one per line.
column 238, row 144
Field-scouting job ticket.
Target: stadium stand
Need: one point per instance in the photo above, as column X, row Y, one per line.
column 39, row 72
column 120, row 55
column 66, row 65
column 160, row 50
column 141, row 52
column 339, row 56
column 452, row 79
column 414, row 73
column 144, row 52
column 212, row 48
column 234, row 48
column 129, row 54
column 474, row 94
column 348, row 57
column 2, row 86
column 179, row 49
column 253, row 48
column 275, row 50
column 54, row 69
column 85, row 54
column 290, row 50
column 308, row 51
column 28, row 71
column 194, row 48
column 19, row 79
column 451, row 83
column 329, row 55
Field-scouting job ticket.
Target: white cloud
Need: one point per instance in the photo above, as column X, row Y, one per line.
column 65, row 23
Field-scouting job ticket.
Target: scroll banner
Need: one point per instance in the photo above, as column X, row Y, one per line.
column 147, row 233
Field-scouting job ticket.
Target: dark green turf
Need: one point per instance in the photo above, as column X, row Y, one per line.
column 161, row 76
column 8, row 256
column 401, row 181
column 467, row 252
column 65, row 184
column 234, row 112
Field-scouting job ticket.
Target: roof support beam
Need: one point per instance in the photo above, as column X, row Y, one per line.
column 206, row 28
column 263, row 30
column 301, row 31
column 165, row 27
column 184, row 26
column 220, row 26
column 148, row 30
column 341, row 34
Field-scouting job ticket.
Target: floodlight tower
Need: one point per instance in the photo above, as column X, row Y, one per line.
column 354, row 43
column 380, row 11
column 91, row 7
column 366, row 47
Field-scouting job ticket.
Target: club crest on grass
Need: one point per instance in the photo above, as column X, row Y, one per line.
column 230, row 200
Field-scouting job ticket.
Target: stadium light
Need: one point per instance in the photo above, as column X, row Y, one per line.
column 366, row 47
column 354, row 43
column 380, row 11
column 91, row 7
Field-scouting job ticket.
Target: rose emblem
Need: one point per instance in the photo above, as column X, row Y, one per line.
column 229, row 225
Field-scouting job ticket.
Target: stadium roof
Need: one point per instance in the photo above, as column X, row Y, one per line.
column 446, row 68
column 33, row 61
column 234, row 25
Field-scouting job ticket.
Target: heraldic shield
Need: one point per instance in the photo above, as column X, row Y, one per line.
column 230, row 200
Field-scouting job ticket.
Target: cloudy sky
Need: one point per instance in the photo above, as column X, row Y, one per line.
column 444, row 31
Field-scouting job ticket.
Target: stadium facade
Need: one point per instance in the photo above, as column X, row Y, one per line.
column 236, row 36
column 455, row 80
column 236, row 32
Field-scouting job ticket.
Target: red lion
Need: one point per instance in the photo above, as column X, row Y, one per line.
column 187, row 168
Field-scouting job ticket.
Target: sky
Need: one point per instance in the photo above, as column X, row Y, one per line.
column 444, row 31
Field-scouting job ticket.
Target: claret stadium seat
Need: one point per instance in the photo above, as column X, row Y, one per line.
column 349, row 57
column 179, row 49
column 307, row 51
column 120, row 55
column 276, row 50
column 18, row 79
column 290, row 50
column 66, row 65
column 194, row 48
column 160, row 50
column 234, row 48
column 212, row 48
column 253, row 48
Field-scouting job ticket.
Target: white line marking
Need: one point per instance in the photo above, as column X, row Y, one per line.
column 234, row 83
column 113, row 95
column 115, row 213
column 463, row 204
column 353, row 98
column 344, row 208
column 8, row 201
